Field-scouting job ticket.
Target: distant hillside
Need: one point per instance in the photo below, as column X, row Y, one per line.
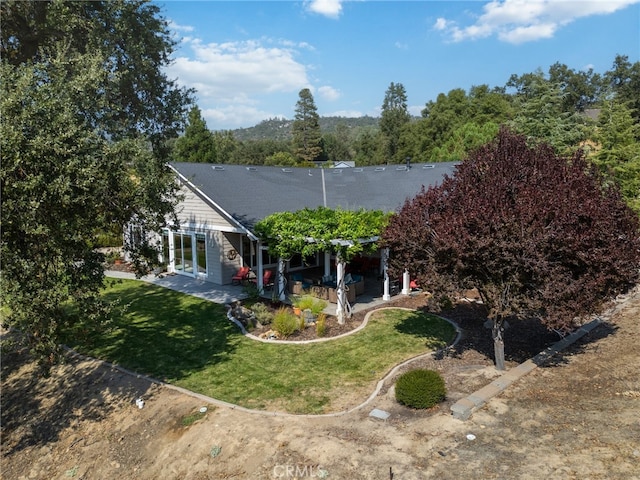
column 280, row 128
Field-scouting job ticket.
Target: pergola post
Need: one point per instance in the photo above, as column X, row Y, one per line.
column 406, row 283
column 340, row 293
column 327, row 263
column 385, row 292
column 281, row 281
column 260, row 266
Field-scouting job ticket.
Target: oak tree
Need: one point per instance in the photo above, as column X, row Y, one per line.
column 87, row 112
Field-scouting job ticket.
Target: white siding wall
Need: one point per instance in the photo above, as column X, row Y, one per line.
column 194, row 211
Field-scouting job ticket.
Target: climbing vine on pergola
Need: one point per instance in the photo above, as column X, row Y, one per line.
column 308, row 231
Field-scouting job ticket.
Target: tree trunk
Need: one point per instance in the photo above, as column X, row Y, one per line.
column 497, row 333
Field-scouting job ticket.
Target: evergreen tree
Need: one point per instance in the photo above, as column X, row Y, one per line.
column 225, row 144
column 619, row 153
column 307, row 136
column 393, row 118
column 624, row 81
column 197, row 144
column 541, row 116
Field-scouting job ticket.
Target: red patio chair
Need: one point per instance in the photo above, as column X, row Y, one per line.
column 241, row 276
column 267, row 279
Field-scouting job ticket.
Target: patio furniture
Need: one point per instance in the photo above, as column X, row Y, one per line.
column 241, row 276
column 298, row 284
column 267, row 279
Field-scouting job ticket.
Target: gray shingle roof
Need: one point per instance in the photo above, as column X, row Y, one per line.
column 251, row 193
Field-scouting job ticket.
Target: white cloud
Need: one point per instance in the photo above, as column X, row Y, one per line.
column 228, row 71
column 328, row 8
column 233, row 80
column 346, row 114
column 235, row 116
column 180, row 28
column 441, row 24
column 519, row 21
column 415, row 110
column 329, row 93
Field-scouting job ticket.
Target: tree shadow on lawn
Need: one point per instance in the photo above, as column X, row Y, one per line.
column 419, row 324
column 523, row 339
column 37, row 409
column 165, row 334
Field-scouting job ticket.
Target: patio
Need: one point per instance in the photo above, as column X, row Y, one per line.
column 224, row 294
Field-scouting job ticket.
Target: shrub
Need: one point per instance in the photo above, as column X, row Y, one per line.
column 303, row 302
column 321, row 326
column 263, row 313
column 252, row 292
column 284, row 322
column 318, row 306
column 420, row 388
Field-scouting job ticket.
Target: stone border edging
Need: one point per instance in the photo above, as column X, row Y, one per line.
column 214, row 401
column 464, row 407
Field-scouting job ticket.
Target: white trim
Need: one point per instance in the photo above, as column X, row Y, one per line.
column 208, row 227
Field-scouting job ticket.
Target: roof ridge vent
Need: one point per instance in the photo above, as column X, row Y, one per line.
column 252, row 169
column 428, row 166
column 379, row 169
column 337, row 171
column 217, row 167
column 402, row 168
column 287, row 170
column 358, row 169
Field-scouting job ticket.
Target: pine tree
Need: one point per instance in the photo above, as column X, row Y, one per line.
column 197, row 144
column 393, row 118
column 307, row 136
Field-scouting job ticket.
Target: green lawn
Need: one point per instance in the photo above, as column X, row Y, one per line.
column 189, row 342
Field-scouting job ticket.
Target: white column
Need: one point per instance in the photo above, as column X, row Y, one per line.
column 281, row 291
column 171, row 268
column 406, row 283
column 327, row 263
column 340, row 293
column 385, row 293
column 260, row 266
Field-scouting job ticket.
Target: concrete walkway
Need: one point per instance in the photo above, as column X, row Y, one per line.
column 224, row 294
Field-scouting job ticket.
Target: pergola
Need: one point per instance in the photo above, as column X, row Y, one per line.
column 339, row 232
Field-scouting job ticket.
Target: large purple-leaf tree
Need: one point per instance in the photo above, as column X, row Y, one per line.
column 537, row 234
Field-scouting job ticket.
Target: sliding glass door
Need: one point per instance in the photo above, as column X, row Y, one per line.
column 190, row 255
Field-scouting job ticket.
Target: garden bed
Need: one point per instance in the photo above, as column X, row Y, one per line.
column 309, row 332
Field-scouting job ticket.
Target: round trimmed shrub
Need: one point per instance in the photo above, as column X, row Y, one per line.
column 420, row 388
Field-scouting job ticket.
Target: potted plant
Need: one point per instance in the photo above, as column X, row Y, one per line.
column 301, row 303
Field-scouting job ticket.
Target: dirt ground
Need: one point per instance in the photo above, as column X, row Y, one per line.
column 576, row 418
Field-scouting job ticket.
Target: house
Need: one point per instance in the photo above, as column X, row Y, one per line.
column 222, row 204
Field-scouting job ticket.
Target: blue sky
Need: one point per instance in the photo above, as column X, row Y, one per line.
column 247, row 60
